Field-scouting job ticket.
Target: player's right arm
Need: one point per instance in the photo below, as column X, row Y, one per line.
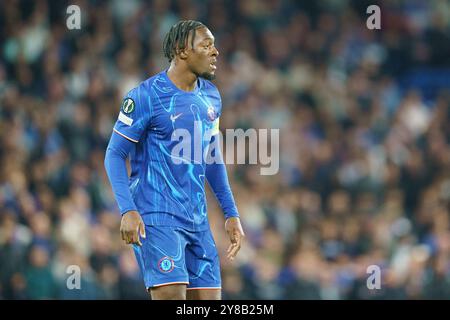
column 131, row 123
column 131, row 225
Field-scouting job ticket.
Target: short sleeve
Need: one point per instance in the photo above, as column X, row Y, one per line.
column 134, row 115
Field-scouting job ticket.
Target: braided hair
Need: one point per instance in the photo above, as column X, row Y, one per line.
column 177, row 37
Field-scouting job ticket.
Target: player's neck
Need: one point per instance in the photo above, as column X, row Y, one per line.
column 182, row 78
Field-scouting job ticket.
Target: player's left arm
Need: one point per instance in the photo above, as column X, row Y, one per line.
column 217, row 177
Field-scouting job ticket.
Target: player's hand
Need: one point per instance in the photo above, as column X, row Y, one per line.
column 131, row 227
column 236, row 234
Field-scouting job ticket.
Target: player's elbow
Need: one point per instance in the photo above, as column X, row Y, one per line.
column 111, row 157
column 107, row 159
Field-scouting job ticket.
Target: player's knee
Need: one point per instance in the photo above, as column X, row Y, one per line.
column 171, row 292
column 213, row 294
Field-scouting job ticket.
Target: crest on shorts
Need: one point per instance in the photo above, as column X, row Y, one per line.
column 166, row 264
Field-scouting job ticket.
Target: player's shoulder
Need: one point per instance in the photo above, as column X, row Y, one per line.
column 209, row 86
column 144, row 87
column 153, row 80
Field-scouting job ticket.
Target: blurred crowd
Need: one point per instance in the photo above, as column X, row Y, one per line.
column 365, row 157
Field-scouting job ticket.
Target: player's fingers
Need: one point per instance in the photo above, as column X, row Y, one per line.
column 130, row 237
column 233, row 243
column 233, row 237
column 239, row 237
column 229, row 255
column 235, row 248
column 233, row 252
column 134, row 236
column 127, row 237
column 232, row 248
column 229, row 252
column 142, row 230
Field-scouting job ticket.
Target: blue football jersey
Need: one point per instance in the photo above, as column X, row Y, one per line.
column 172, row 130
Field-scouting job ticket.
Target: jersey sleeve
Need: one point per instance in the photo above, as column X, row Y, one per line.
column 134, row 115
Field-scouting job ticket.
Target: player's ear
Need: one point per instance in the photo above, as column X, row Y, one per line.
column 183, row 53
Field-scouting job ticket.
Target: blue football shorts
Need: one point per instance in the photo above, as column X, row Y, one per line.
column 173, row 255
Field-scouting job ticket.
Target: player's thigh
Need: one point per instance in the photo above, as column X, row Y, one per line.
column 169, row 292
column 203, row 264
column 204, row 294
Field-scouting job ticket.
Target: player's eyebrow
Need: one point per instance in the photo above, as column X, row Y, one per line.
column 211, row 39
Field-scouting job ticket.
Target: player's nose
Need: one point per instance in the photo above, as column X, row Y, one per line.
column 215, row 52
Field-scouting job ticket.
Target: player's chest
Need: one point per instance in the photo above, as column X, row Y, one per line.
column 184, row 112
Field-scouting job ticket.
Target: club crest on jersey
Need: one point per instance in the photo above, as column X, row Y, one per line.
column 211, row 113
column 128, row 106
column 166, row 264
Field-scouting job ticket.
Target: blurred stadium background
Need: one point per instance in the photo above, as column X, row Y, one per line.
column 364, row 118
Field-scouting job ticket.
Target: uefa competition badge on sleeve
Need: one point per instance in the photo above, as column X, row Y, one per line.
column 128, row 106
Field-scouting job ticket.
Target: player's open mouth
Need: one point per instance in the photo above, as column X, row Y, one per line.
column 213, row 66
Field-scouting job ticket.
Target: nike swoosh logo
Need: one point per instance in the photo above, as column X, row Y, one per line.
column 173, row 117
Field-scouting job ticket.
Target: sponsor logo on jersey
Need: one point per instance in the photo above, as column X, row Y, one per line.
column 175, row 117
